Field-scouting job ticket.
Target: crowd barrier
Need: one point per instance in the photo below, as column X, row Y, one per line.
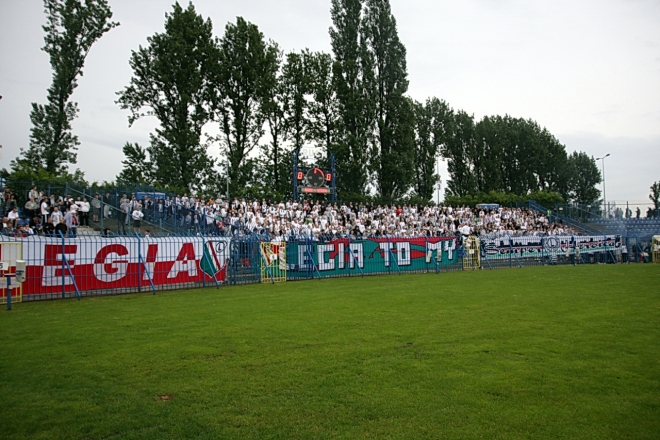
column 94, row 265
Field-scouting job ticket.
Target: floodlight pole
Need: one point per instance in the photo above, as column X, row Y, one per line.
column 602, row 161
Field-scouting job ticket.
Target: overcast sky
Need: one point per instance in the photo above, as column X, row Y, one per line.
column 589, row 71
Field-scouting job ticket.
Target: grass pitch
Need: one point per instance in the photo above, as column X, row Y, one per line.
column 538, row 353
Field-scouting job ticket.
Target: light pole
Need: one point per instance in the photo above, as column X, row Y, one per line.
column 437, row 170
column 602, row 159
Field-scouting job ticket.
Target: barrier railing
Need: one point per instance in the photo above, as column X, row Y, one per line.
column 67, row 267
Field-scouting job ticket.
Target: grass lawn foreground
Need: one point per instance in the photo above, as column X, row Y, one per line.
column 536, row 353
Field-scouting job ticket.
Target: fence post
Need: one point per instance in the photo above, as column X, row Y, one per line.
column 63, row 265
column 139, row 246
column 542, row 251
column 426, row 253
column 510, row 251
column 389, row 253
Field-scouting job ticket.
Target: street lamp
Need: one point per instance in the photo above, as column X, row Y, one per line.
column 602, row 159
column 437, row 167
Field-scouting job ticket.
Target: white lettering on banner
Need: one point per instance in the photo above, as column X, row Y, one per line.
column 185, row 262
column 403, row 253
column 430, row 247
column 386, row 247
column 107, row 268
column 322, row 249
column 55, row 273
column 450, row 247
column 150, row 262
column 303, row 258
column 341, row 257
column 358, row 253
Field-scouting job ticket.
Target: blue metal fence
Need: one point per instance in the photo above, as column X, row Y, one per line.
column 89, row 265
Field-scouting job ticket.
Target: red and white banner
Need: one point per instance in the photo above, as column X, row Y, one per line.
column 121, row 262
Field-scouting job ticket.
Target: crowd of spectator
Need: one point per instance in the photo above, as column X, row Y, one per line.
column 322, row 220
column 43, row 214
column 54, row 215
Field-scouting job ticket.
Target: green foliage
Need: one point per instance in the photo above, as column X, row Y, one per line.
column 654, row 196
column 459, row 152
column 322, row 108
column 433, row 120
column 136, row 167
column 272, row 164
column 544, row 198
column 513, row 155
column 392, row 155
column 172, row 81
column 352, row 78
column 73, row 27
column 245, row 78
column 537, row 353
column 584, row 175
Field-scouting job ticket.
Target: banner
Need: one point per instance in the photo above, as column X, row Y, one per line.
column 532, row 246
column 122, row 262
column 378, row 255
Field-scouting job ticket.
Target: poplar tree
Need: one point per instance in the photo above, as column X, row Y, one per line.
column 272, row 160
column 352, row 78
column 432, row 128
column 172, row 81
column 244, row 78
column 392, row 155
column 72, row 27
column 323, row 107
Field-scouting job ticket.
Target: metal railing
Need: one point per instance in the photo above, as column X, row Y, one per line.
column 61, row 266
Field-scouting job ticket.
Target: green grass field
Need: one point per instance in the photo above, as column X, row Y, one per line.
column 538, row 353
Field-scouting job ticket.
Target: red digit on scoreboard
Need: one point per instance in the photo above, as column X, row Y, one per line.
column 328, row 177
column 300, row 175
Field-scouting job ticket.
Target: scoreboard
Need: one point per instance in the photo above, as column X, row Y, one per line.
column 315, row 181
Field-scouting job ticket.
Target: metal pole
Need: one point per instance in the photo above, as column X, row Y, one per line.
column 602, row 159
column 8, row 277
column 437, row 168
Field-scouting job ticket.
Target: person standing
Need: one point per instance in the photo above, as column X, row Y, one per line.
column 124, row 216
column 96, row 208
column 137, row 218
column 71, row 221
column 83, row 212
column 30, row 208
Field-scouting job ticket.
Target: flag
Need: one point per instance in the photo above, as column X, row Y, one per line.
column 211, row 263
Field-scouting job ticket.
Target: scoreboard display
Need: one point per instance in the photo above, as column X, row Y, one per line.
column 315, row 181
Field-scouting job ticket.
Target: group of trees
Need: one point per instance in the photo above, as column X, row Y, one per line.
column 352, row 104
column 264, row 104
column 515, row 156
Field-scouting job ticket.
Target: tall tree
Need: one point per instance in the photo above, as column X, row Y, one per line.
column 458, row 152
column 584, row 176
column 352, row 78
column 245, row 75
column 272, row 161
column 172, row 81
column 654, row 196
column 296, row 85
column 392, row 157
column 432, row 128
column 322, row 107
column 136, row 167
column 73, row 27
